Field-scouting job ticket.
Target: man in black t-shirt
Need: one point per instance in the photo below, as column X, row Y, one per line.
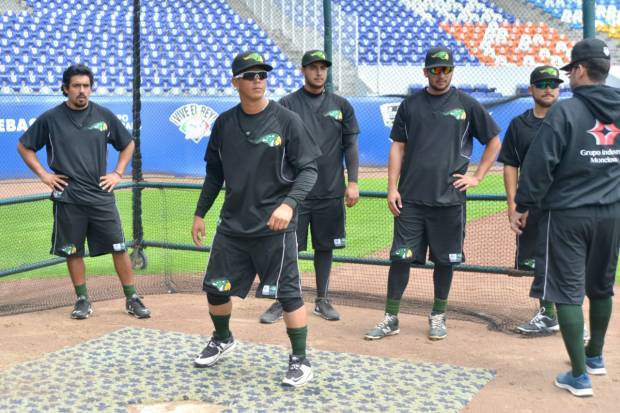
column 332, row 123
column 432, row 140
column 545, row 90
column 267, row 158
column 76, row 135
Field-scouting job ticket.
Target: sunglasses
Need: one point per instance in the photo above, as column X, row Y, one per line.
column 446, row 70
column 262, row 75
column 544, row 84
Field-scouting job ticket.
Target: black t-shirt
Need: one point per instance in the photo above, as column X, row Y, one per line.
column 76, row 144
column 331, row 121
column 438, row 132
column 518, row 138
column 258, row 157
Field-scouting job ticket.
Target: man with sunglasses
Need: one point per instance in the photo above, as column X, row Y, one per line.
column 432, row 140
column 572, row 173
column 545, row 90
column 268, row 160
column 332, row 123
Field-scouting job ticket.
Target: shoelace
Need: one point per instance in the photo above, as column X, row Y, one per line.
column 436, row 321
column 384, row 323
column 294, row 365
column 538, row 317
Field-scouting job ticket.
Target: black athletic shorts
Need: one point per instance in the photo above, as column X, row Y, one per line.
column 526, row 242
column 99, row 224
column 578, row 253
column 420, row 227
column 235, row 261
column 326, row 218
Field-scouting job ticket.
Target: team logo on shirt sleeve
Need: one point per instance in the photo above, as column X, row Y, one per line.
column 336, row 114
column 458, row 113
column 270, row 139
column 100, row 126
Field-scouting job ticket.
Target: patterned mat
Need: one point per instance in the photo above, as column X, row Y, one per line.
column 136, row 365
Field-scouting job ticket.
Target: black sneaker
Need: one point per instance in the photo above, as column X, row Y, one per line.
column 299, row 372
column 214, row 350
column 135, row 307
column 539, row 325
column 323, row 308
column 387, row 327
column 82, row 308
column 273, row 314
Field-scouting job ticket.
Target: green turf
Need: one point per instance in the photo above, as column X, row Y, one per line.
column 167, row 215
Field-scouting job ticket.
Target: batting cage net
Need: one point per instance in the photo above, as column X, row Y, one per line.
column 164, row 69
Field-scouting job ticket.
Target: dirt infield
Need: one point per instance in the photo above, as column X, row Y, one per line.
column 525, row 367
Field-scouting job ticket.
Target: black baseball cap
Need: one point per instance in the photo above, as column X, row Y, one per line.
column 246, row 60
column 587, row 49
column 545, row 73
column 438, row 57
column 313, row 56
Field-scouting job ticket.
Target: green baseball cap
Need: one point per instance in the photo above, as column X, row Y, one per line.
column 545, row 73
column 246, row 60
column 312, row 56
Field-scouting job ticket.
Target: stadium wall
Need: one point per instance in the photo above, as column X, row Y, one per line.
column 175, row 130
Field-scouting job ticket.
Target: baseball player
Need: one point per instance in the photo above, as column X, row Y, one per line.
column 268, row 160
column 572, row 173
column 332, row 123
column 545, row 90
column 432, row 140
column 76, row 134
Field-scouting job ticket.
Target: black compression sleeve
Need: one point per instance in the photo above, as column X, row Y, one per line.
column 351, row 156
column 306, row 178
column 210, row 190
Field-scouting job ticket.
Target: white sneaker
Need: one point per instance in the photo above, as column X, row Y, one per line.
column 299, row 372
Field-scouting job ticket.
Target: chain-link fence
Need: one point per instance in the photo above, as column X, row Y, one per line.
column 185, row 52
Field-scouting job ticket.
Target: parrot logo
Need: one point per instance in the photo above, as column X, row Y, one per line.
column 336, row 114
column 318, row 54
column 100, row 126
column 403, row 253
column 221, row 285
column 459, row 114
column 254, row 56
column 271, row 140
column 442, row 55
column 549, row 71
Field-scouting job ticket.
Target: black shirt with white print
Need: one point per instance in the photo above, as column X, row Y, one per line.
column 265, row 160
column 438, row 133
column 76, row 142
column 331, row 121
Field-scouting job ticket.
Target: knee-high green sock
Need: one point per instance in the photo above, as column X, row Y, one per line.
column 439, row 306
column 221, row 324
column 298, row 338
column 548, row 306
column 129, row 290
column 600, row 313
column 570, row 317
column 80, row 290
column 392, row 306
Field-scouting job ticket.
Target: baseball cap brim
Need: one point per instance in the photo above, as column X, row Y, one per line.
column 438, row 65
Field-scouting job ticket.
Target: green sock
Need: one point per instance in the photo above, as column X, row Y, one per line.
column 439, row 306
column 570, row 317
column 548, row 306
column 392, row 306
column 221, row 325
column 81, row 290
column 600, row 313
column 129, row 290
column 298, row 338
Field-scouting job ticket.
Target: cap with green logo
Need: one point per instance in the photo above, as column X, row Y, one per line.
column 438, row 57
column 313, row 56
column 545, row 73
column 250, row 59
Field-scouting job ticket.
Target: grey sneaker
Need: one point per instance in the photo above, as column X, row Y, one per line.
column 387, row 327
column 82, row 308
column 214, row 350
column 299, row 372
column 323, row 308
column 273, row 314
column 540, row 324
column 437, row 326
column 136, row 308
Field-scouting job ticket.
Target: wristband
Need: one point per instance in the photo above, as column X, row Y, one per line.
column 117, row 173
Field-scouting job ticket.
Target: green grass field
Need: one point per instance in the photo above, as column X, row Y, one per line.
column 167, row 216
